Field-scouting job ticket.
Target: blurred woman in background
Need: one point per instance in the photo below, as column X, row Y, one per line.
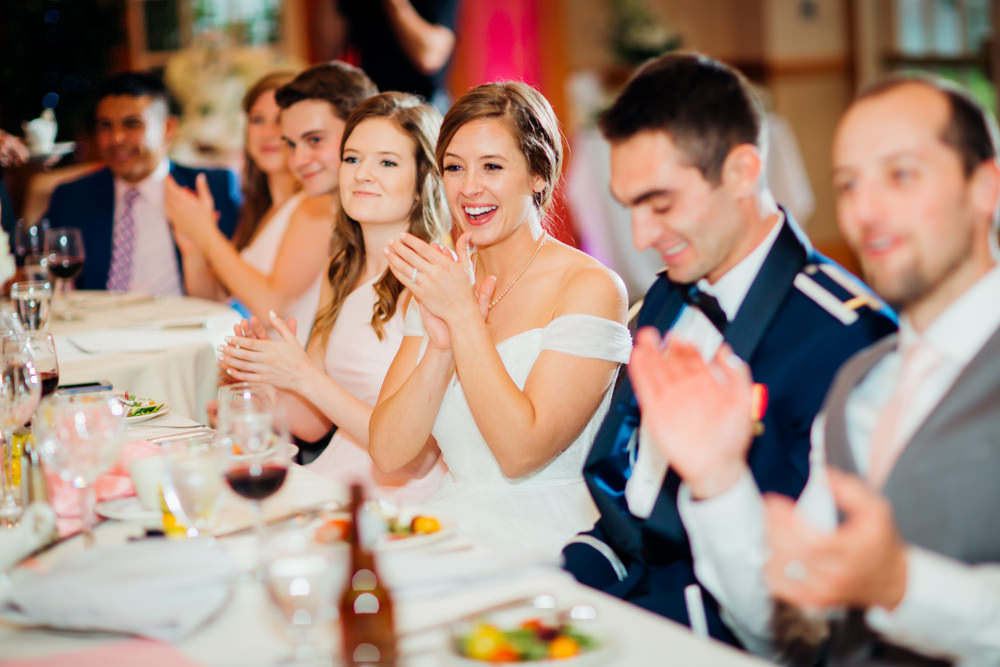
column 281, row 244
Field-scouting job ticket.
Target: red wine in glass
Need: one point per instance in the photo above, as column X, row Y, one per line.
column 50, row 380
column 66, row 268
column 257, row 481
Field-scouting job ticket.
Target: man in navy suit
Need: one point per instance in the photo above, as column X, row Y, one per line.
column 687, row 155
column 119, row 209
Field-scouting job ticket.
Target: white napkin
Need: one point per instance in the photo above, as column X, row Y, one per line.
column 37, row 526
column 155, row 588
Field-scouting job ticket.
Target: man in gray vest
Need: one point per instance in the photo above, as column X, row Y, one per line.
column 897, row 525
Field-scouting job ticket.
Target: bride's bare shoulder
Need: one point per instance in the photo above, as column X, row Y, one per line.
column 587, row 286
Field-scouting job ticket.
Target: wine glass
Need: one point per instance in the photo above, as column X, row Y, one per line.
column 29, row 239
column 255, row 448
column 303, row 578
column 192, row 486
column 43, row 350
column 32, row 300
column 79, row 436
column 19, row 394
column 64, row 255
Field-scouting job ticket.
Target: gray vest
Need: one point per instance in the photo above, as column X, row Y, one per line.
column 943, row 489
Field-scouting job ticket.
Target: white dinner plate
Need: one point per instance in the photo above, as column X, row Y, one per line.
column 162, row 410
column 388, row 543
column 130, row 509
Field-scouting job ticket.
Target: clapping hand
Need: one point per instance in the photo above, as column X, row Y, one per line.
column 257, row 358
column 442, row 281
column 860, row 564
column 191, row 213
column 697, row 413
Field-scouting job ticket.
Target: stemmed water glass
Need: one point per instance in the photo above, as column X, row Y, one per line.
column 79, row 436
column 303, row 578
column 20, row 389
column 64, row 255
column 245, row 397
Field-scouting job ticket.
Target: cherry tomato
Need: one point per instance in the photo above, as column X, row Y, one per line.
column 563, row 647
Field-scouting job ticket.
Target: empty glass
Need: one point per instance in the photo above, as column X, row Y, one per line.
column 79, row 436
column 32, row 301
column 303, row 580
column 245, row 398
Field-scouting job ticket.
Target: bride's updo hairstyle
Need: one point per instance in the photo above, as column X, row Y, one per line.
column 528, row 116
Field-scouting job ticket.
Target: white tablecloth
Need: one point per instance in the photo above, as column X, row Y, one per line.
column 161, row 348
column 246, row 632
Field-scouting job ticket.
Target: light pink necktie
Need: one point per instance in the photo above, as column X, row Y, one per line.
column 123, row 245
column 919, row 359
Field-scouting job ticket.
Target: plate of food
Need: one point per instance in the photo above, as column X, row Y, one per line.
column 530, row 635
column 138, row 409
column 396, row 529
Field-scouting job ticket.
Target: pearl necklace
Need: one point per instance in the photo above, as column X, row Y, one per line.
column 517, row 277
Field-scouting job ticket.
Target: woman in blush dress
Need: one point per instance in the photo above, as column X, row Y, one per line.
column 389, row 185
column 511, row 349
column 274, row 261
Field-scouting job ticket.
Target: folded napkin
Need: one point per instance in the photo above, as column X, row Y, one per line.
column 154, row 588
column 114, row 484
column 35, row 529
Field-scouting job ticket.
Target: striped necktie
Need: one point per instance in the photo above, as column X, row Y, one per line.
column 123, row 245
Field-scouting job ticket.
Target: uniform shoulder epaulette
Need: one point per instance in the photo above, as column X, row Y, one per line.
column 844, row 310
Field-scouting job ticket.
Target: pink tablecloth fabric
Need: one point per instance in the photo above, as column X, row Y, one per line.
column 146, row 652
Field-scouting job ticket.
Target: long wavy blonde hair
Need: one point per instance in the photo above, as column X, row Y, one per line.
column 429, row 218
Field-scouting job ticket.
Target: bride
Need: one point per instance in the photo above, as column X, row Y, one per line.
column 510, row 353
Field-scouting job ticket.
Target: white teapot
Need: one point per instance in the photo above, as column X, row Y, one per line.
column 40, row 133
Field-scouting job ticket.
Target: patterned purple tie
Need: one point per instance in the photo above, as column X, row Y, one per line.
column 122, row 245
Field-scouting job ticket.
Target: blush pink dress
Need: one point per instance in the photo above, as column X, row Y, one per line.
column 358, row 361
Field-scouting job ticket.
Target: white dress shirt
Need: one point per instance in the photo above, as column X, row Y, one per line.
column 949, row 608
column 154, row 262
column 643, row 486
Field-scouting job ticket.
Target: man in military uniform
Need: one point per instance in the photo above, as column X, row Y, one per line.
column 687, row 155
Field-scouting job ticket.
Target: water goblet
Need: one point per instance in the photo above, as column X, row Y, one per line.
column 32, row 300
column 192, row 485
column 245, row 398
column 303, row 578
column 20, row 390
column 79, row 436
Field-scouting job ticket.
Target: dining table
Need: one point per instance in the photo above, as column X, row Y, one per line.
column 157, row 347
column 434, row 586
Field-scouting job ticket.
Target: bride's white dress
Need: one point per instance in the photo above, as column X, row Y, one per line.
column 540, row 511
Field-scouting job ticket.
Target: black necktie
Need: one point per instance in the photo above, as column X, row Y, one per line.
column 709, row 306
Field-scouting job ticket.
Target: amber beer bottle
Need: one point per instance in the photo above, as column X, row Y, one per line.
column 366, row 618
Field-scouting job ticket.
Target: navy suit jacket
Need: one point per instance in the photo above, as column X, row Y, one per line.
column 89, row 202
column 794, row 346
